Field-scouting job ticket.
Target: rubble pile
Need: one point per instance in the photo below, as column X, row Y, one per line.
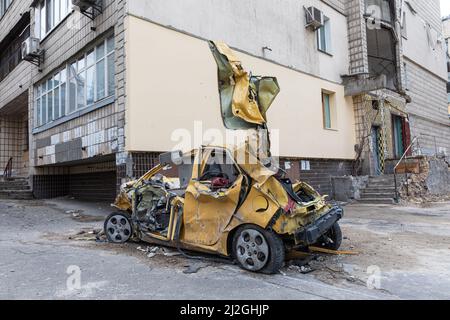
column 421, row 187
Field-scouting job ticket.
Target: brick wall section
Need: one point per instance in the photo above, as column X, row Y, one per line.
column 357, row 37
column 13, row 15
column 428, row 109
column 19, row 80
column 122, row 156
column 430, row 11
column 93, row 134
column 322, row 170
column 339, row 5
column 13, row 137
column 15, row 84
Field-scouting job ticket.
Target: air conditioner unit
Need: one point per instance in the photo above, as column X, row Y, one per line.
column 31, row 49
column 314, row 18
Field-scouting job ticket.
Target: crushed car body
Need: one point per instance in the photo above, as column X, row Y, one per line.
column 227, row 200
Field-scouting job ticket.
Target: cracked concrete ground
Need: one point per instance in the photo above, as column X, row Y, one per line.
column 403, row 252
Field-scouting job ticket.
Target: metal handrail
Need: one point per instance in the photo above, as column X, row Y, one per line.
column 399, row 162
column 8, row 169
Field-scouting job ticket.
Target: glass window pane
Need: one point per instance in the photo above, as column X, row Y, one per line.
column 81, row 63
column 56, row 80
column 111, row 75
column 50, row 84
column 100, row 73
column 49, row 15
column 72, row 95
column 50, row 106
column 100, row 51
column 56, row 104
column 44, row 110
column 63, row 75
column 73, row 69
column 110, row 45
column 90, row 58
column 43, row 29
column 322, row 39
column 63, row 99
column 63, row 9
column 38, row 112
column 81, row 98
column 90, row 85
column 327, row 111
column 57, row 13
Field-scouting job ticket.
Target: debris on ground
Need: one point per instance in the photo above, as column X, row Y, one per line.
column 195, row 267
column 334, row 252
column 78, row 215
column 301, row 269
column 152, row 251
column 427, row 183
column 86, row 235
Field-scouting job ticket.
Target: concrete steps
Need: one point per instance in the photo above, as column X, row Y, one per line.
column 16, row 189
column 379, row 190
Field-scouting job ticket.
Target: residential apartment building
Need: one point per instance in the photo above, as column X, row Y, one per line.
column 115, row 89
column 424, row 53
column 446, row 27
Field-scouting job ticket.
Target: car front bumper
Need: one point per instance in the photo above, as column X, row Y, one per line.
column 311, row 234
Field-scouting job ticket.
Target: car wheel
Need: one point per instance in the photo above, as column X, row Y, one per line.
column 258, row 250
column 118, row 228
column 332, row 239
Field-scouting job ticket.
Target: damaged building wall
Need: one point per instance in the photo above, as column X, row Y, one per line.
column 430, row 179
column 428, row 110
column 376, row 154
column 419, row 96
column 297, row 112
column 426, row 77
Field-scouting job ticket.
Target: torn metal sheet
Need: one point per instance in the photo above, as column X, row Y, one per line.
column 244, row 98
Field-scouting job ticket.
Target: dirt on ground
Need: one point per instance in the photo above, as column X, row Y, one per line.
column 389, row 239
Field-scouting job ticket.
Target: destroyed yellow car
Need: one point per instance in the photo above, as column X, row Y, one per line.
column 206, row 201
column 232, row 201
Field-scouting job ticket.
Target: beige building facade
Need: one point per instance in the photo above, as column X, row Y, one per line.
column 115, row 88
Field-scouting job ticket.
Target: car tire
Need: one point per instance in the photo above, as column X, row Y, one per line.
column 335, row 234
column 258, row 250
column 118, row 227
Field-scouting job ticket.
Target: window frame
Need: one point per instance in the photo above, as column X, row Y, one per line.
column 48, row 86
column 11, row 56
column 42, row 27
column 329, row 110
column 324, row 32
column 4, row 6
